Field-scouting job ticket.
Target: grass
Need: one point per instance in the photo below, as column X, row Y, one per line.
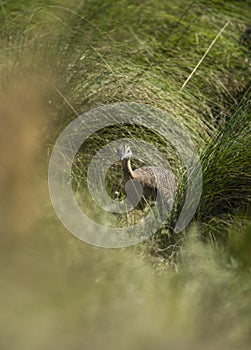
column 60, row 59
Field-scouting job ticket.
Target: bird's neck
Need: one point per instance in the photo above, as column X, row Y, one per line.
column 127, row 169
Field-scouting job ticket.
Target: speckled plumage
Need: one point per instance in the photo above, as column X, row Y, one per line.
column 154, row 180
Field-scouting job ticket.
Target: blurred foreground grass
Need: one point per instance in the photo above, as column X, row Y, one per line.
column 59, row 59
column 57, row 292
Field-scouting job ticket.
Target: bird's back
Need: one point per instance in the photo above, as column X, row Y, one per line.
column 156, row 178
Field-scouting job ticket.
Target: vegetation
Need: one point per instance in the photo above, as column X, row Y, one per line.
column 60, row 59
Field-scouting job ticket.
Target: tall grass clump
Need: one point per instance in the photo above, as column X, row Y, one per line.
column 227, row 165
column 60, row 59
column 123, row 51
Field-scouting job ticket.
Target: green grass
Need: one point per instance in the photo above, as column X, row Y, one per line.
column 62, row 58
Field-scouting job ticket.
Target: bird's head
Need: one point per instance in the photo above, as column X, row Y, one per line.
column 124, row 152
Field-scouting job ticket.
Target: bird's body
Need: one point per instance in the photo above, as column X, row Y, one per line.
column 157, row 183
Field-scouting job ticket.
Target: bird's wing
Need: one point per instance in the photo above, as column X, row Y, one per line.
column 155, row 178
column 146, row 176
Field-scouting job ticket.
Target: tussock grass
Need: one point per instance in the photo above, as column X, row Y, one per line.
column 226, row 164
column 62, row 58
column 98, row 55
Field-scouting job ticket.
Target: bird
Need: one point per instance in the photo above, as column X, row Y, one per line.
column 155, row 183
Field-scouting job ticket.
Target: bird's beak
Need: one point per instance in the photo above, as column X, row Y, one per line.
column 120, row 156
